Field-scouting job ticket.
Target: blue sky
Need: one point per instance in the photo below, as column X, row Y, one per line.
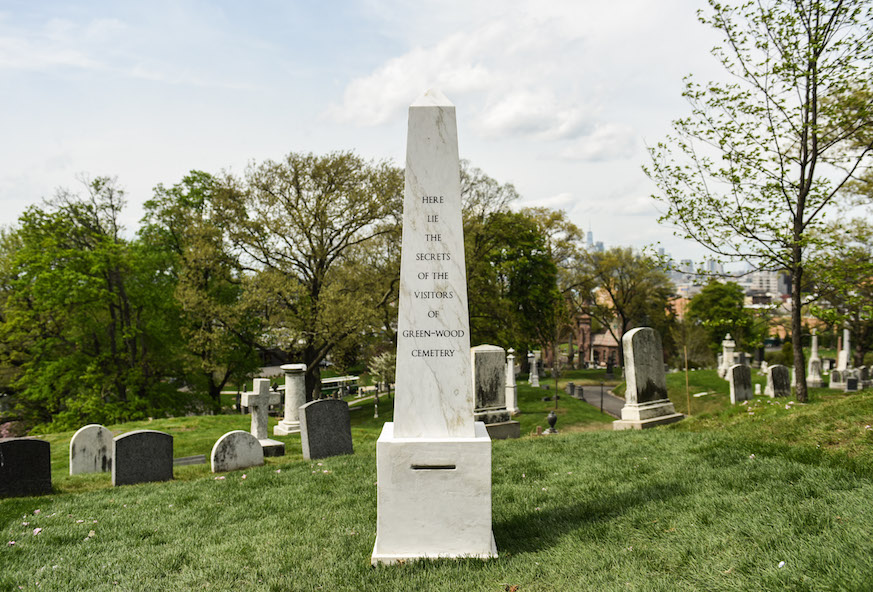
column 558, row 97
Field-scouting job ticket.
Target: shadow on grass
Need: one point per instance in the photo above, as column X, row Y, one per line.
column 540, row 529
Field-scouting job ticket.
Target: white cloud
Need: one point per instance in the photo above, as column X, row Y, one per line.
column 607, row 141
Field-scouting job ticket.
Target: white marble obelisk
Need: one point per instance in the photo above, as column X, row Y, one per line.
column 433, row 462
column 844, row 356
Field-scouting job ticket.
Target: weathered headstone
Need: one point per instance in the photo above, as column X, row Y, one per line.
column 837, row 380
column 764, row 367
column 727, row 355
column 511, row 386
column 259, row 403
column 814, row 378
column 142, row 456
column 778, row 381
column 489, row 386
column 864, row 376
column 236, row 450
column 25, row 467
column 295, row 396
column 325, row 428
column 91, row 450
column 740, row 381
column 851, row 384
column 757, row 388
column 433, row 462
column 646, row 402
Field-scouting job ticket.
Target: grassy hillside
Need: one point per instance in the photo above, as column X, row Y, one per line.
column 728, row 500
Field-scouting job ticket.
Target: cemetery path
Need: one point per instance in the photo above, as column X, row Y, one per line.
column 611, row 404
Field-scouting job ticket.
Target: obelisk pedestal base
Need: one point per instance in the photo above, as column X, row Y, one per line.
column 284, row 428
column 639, row 416
column 434, row 497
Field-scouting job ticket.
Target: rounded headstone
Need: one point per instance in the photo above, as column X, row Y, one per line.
column 91, row 450
column 236, row 450
column 25, row 467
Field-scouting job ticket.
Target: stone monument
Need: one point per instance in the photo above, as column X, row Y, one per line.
column 778, row 381
column 727, row 355
column 511, row 387
column 91, row 450
column 646, row 402
column 259, row 403
column 236, row 450
column 433, row 462
column 489, row 386
column 325, row 428
column 295, row 396
column 844, row 356
column 534, row 376
column 25, row 467
column 142, row 456
column 740, row 379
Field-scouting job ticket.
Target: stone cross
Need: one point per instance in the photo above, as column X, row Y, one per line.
column 511, row 387
column 295, row 396
column 258, row 403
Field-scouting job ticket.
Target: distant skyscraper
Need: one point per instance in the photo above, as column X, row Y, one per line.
column 589, row 238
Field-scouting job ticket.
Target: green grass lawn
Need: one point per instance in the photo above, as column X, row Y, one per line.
column 730, row 499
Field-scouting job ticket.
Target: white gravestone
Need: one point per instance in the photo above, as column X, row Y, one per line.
column 778, row 381
column 91, row 450
column 813, row 367
column 844, row 356
column 511, row 387
column 534, row 376
column 727, row 355
column 433, row 462
column 259, row 403
column 646, row 402
column 295, row 397
column 236, row 450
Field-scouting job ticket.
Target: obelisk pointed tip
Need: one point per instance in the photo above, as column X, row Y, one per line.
column 432, row 98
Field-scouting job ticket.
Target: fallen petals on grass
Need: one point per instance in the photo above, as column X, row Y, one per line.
column 220, row 478
column 36, row 531
column 781, row 564
column 10, row 543
column 244, row 476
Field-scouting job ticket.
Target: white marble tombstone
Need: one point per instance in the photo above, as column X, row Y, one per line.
column 844, row 356
column 646, row 402
column 511, row 386
column 259, row 403
column 534, row 376
column 778, row 381
column 727, row 355
column 236, row 450
column 433, row 462
column 295, row 396
column 91, row 450
column 489, row 387
column 813, row 367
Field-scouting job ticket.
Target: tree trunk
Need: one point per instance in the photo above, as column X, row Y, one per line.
column 797, row 328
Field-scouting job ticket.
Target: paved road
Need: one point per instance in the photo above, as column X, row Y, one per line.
column 611, row 404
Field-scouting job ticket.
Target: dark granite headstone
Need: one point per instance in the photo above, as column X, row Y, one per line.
column 142, row 456
column 25, row 467
column 740, row 382
column 325, row 428
column 851, row 384
column 778, row 381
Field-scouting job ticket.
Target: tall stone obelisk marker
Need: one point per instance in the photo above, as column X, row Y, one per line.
column 433, row 462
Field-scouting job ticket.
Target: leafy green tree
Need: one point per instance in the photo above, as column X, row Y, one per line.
column 298, row 225
column 751, row 172
column 219, row 326
column 719, row 308
column 511, row 281
column 628, row 290
column 843, row 282
column 84, row 315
